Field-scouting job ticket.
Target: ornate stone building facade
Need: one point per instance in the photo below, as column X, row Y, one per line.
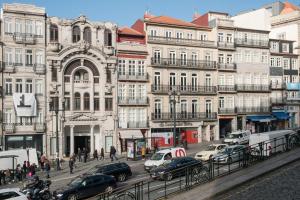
column 81, row 79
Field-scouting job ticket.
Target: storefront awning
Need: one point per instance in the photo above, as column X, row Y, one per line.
column 261, row 118
column 281, row 115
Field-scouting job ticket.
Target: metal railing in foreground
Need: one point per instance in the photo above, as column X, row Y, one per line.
column 188, row 177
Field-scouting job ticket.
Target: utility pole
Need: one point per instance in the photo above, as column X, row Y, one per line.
column 172, row 99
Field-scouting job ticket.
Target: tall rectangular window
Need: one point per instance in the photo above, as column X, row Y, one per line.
column 28, row 86
column 141, row 68
column 29, row 27
column 67, row 103
column 121, row 67
column 19, row 26
column 96, row 103
column 18, row 57
column 131, row 67
column 220, row 37
column 8, row 56
column 28, row 57
column 8, row 86
column 39, row 57
column 108, row 104
column 8, row 115
column 131, row 91
column 19, row 85
column 39, row 86
column 121, row 91
column 54, row 75
column 39, row 28
column 8, row 25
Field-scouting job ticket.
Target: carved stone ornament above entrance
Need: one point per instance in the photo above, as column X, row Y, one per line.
column 84, row 46
column 82, row 117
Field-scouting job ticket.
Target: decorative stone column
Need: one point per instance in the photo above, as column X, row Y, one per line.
column 71, row 140
column 92, row 140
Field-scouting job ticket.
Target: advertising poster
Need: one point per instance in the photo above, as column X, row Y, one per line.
column 130, row 149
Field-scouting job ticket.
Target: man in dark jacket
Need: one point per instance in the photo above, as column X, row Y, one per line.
column 113, row 153
column 71, row 165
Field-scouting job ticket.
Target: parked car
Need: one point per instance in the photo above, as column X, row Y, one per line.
column 163, row 156
column 86, row 186
column 210, row 151
column 12, row 193
column 121, row 171
column 230, row 154
column 238, row 137
column 174, row 168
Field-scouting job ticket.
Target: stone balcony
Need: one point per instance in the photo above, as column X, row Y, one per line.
column 24, row 38
column 135, row 124
column 227, row 67
column 184, row 116
column 39, row 68
column 184, row 63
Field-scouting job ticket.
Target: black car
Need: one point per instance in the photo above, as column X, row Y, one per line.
column 86, row 186
column 121, row 171
column 176, row 167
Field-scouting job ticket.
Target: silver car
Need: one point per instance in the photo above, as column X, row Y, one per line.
column 230, row 154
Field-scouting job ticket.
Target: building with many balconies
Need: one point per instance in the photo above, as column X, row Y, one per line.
column 81, row 83
column 23, row 72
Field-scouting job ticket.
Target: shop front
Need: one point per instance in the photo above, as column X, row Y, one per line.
column 259, row 123
column 24, row 142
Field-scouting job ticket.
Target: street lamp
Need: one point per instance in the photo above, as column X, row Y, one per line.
column 172, row 100
column 54, row 106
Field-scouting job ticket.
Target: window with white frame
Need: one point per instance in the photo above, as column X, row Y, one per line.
column 207, row 56
column 247, row 56
column 294, row 79
column 19, row 26
column 19, row 85
column 39, row 28
column 190, row 36
column 122, row 118
column 8, row 86
column 29, row 26
column 221, row 58
column 194, row 106
column 230, row 80
column 264, row 57
column 39, row 86
column 131, row 67
column 172, row 57
column 121, row 67
column 168, row 34
column 179, row 35
column 286, row 63
column 153, row 32
column 281, row 36
column 278, row 61
column 230, row 102
column 141, row 68
column 229, row 38
column 194, row 58
column 39, row 57
column 8, row 25
column 274, row 46
column 294, row 64
column 8, row 115
column 8, row 56
column 194, row 82
column 131, row 91
column 28, row 57
column 157, row 56
column 40, row 117
column 220, row 37
column 238, row 56
column 221, row 102
column 222, row 79
column 172, row 80
column 229, row 59
column 122, row 91
column 203, row 36
column 18, row 56
column 286, row 78
column 285, row 47
column 28, row 86
column 183, row 58
column 272, row 62
column 141, row 91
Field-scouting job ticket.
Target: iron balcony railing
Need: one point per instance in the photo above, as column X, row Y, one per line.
column 261, row 109
column 181, row 41
column 184, row 116
column 184, row 89
column 253, row 88
column 227, row 66
column 226, row 45
column 184, row 63
column 227, row 111
column 10, row 66
column 24, row 38
column 133, row 101
column 35, row 126
column 133, row 77
column 227, row 88
column 252, row 43
column 136, row 124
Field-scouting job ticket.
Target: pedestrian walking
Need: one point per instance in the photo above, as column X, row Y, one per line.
column 102, row 154
column 57, row 163
column 47, row 168
column 2, row 177
column 19, row 172
column 95, row 155
column 42, row 161
column 85, row 154
column 71, row 165
column 113, row 153
column 79, row 155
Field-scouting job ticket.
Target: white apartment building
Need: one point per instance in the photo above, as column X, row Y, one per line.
column 133, row 84
column 23, row 73
column 81, row 80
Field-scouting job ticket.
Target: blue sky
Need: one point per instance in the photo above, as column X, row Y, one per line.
column 125, row 12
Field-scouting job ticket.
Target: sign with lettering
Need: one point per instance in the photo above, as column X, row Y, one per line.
column 25, row 104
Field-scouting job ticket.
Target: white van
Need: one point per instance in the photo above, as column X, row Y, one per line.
column 163, row 156
column 272, row 142
column 238, row 137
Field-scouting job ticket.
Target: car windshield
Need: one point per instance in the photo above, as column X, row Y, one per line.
column 157, row 156
column 231, row 136
column 210, row 148
column 76, row 182
column 226, row 150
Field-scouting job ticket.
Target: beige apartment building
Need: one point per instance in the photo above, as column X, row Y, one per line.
column 1, row 90
column 81, row 80
column 23, row 76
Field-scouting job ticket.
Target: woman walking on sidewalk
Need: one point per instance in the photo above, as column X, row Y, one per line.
column 95, row 155
column 47, row 168
column 102, row 154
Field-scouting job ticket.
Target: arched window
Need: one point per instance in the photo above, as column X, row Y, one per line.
column 85, row 76
column 107, row 37
column 53, row 33
column 76, row 34
column 87, row 35
column 77, row 101
column 86, row 101
column 77, row 76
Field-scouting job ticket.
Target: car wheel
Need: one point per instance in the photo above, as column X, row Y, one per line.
column 122, row 177
column 109, row 189
column 72, row 197
column 46, row 195
column 169, row 177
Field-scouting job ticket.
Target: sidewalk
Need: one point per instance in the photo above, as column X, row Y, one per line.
column 223, row 184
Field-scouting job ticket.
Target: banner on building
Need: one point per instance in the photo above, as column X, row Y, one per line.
column 25, row 104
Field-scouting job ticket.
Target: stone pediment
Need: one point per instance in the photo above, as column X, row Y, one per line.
column 82, row 117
